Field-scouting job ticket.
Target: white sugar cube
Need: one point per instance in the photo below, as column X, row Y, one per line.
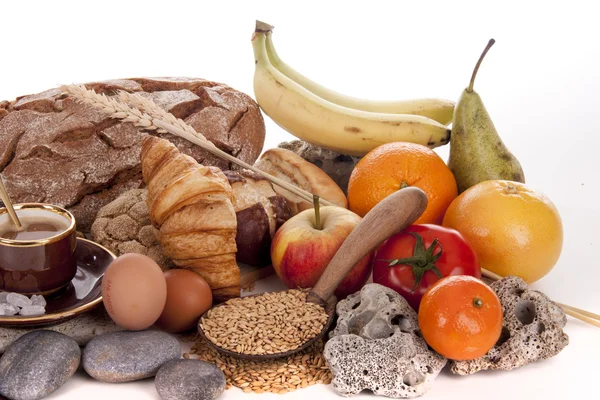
column 38, row 300
column 9, row 309
column 31, row 311
column 18, row 300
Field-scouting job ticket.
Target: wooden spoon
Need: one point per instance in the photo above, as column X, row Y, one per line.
column 9, row 207
column 390, row 216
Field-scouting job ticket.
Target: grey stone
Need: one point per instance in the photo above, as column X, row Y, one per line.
column 189, row 380
column 338, row 166
column 81, row 328
column 129, row 356
column 532, row 330
column 37, row 364
column 377, row 345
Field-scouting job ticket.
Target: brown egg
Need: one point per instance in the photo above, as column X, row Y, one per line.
column 188, row 297
column 134, row 291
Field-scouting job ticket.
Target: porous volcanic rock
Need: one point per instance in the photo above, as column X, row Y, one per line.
column 532, row 330
column 377, row 345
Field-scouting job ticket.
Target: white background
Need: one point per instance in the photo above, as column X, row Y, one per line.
column 540, row 83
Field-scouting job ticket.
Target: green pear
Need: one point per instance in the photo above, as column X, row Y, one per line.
column 477, row 153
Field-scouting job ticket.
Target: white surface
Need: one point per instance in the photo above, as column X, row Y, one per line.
column 540, row 83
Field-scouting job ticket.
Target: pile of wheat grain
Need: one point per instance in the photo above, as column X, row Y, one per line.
column 283, row 375
column 265, row 324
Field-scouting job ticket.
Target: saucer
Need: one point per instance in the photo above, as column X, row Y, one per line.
column 80, row 295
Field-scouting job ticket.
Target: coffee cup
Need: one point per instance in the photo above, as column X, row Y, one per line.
column 40, row 257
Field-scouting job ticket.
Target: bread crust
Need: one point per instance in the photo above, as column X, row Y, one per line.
column 55, row 150
column 259, row 211
column 287, row 165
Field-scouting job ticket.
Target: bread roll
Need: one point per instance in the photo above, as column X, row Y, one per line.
column 292, row 168
column 260, row 211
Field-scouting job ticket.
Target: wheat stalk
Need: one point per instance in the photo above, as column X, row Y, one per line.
column 114, row 108
column 152, row 109
column 144, row 113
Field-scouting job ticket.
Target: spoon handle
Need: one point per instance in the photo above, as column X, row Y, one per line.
column 391, row 215
column 8, row 205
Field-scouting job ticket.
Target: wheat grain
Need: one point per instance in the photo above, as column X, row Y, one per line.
column 111, row 106
column 249, row 325
column 153, row 110
column 274, row 376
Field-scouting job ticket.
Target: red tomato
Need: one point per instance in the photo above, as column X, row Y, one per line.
column 414, row 259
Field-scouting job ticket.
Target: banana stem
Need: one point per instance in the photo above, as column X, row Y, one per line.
column 259, row 46
column 263, row 27
column 487, row 48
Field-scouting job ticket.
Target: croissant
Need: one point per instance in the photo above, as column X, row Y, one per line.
column 191, row 206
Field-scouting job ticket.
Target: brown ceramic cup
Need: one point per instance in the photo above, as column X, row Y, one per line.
column 42, row 265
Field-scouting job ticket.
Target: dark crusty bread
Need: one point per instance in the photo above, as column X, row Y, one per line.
column 55, row 150
column 260, row 211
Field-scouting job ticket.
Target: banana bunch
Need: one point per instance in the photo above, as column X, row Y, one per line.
column 337, row 122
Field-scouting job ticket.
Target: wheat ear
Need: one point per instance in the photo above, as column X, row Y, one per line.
column 153, row 110
column 112, row 107
column 156, row 119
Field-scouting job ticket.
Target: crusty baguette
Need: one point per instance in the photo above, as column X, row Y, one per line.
column 287, row 165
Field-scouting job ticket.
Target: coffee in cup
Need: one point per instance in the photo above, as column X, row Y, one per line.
column 35, row 225
column 39, row 257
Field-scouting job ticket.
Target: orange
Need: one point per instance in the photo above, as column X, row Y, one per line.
column 460, row 317
column 392, row 166
column 513, row 229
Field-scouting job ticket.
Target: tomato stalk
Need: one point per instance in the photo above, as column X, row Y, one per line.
column 422, row 260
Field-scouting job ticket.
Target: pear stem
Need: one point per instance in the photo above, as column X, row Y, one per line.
column 489, row 45
column 317, row 212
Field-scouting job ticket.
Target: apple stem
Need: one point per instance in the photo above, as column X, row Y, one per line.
column 489, row 45
column 317, row 212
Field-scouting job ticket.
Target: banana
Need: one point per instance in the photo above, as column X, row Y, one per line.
column 326, row 124
column 440, row 110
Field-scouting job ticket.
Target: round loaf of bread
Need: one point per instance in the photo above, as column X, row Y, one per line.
column 55, row 150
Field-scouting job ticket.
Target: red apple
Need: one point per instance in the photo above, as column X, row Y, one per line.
column 300, row 251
